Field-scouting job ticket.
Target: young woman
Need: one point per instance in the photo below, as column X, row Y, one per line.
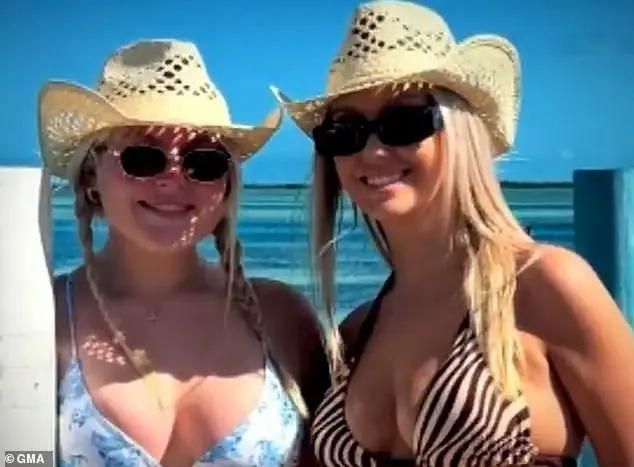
column 163, row 358
column 483, row 348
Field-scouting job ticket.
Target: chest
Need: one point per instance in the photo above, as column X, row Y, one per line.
column 128, row 413
column 384, row 395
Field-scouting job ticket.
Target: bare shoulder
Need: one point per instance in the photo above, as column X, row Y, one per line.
column 291, row 323
column 284, row 305
column 62, row 322
column 61, row 303
column 559, row 292
column 589, row 343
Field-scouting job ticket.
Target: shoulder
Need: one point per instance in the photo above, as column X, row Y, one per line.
column 64, row 293
column 284, row 305
column 562, row 301
column 60, row 292
column 63, row 324
column 291, row 323
column 559, row 293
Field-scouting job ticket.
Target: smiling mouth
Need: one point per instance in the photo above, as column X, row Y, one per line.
column 167, row 209
column 382, row 181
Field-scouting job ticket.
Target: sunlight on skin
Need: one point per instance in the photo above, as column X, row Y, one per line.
column 172, row 140
column 102, row 350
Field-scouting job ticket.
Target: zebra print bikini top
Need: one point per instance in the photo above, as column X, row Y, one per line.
column 463, row 419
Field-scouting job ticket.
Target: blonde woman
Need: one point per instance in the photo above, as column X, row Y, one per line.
column 163, row 358
column 483, row 348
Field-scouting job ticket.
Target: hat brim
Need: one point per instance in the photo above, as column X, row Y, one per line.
column 71, row 116
column 495, row 99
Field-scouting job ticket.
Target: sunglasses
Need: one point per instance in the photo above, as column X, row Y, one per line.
column 397, row 126
column 198, row 165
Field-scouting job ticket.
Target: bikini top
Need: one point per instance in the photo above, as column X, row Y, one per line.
column 463, row 420
column 268, row 437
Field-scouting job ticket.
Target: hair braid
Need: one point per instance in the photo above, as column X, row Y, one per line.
column 240, row 293
column 86, row 208
column 85, row 212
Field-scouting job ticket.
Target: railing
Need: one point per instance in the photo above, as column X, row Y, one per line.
column 603, row 206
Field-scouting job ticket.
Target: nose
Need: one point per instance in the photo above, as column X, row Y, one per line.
column 173, row 177
column 374, row 148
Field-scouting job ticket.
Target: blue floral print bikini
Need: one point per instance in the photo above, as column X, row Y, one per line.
column 269, row 437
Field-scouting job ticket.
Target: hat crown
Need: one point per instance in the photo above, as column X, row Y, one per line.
column 389, row 39
column 162, row 79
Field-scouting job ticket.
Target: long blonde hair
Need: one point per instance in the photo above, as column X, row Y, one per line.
column 487, row 230
column 240, row 293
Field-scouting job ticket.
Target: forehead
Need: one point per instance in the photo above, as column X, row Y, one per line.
column 370, row 102
column 159, row 136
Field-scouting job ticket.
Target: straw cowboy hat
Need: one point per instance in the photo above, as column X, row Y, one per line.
column 150, row 82
column 392, row 42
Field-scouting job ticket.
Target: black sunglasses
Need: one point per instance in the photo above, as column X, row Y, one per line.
column 345, row 134
column 198, row 165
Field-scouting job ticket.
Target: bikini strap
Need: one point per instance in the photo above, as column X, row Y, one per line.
column 368, row 324
column 69, row 313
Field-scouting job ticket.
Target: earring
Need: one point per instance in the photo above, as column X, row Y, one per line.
column 92, row 195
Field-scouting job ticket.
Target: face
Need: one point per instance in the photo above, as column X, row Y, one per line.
column 385, row 150
column 163, row 188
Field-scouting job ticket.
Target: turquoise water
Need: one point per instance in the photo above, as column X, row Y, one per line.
column 273, row 229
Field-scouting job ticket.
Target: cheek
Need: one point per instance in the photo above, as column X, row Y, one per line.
column 427, row 153
column 429, row 158
column 209, row 197
column 344, row 166
column 112, row 185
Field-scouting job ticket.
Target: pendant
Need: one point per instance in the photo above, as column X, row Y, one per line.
column 151, row 317
column 141, row 361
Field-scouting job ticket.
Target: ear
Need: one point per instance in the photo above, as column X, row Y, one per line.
column 93, row 197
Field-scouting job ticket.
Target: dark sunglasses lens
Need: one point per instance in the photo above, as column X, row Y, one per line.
column 206, row 165
column 340, row 138
column 143, row 162
column 406, row 125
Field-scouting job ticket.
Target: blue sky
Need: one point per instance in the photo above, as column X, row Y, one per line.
column 578, row 68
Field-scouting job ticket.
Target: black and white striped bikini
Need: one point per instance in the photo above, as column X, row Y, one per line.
column 463, row 419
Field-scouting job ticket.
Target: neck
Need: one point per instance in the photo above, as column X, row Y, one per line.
column 126, row 268
column 424, row 252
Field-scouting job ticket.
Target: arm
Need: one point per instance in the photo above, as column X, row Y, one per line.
column 591, row 348
column 296, row 337
column 62, row 326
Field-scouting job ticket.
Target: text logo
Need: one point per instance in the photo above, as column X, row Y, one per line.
column 44, row 458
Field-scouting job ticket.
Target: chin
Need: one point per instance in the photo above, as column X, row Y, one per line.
column 401, row 205
column 167, row 240
column 172, row 246
column 389, row 211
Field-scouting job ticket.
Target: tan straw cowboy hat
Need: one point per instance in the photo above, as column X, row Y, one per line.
column 392, row 42
column 150, row 82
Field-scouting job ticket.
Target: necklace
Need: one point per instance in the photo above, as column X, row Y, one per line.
column 137, row 357
column 151, row 317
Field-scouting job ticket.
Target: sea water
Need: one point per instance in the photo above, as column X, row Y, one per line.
column 273, row 227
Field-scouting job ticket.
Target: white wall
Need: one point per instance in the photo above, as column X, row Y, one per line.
column 27, row 322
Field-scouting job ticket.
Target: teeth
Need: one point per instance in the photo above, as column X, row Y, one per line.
column 169, row 207
column 383, row 180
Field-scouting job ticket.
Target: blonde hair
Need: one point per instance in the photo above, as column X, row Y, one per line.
column 239, row 290
column 487, row 231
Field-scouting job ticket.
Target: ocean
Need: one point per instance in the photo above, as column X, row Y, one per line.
column 273, row 229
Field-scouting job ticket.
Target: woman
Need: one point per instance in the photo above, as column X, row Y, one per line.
column 479, row 349
column 163, row 358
